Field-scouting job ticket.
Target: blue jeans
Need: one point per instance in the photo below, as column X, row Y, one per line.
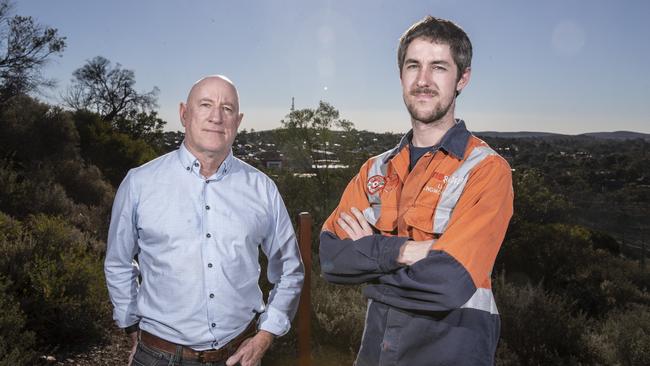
column 147, row 356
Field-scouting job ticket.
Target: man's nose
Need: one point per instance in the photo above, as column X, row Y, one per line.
column 216, row 116
column 423, row 77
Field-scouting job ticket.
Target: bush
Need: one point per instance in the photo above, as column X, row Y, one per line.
column 562, row 258
column 624, row 338
column 16, row 249
column 34, row 131
column 90, row 209
column 535, row 202
column 84, row 183
column 21, row 196
column 538, row 328
column 69, row 303
column 15, row 342
column 340, row 314
column 92, row 195
column 506, row 356
column 58, row 278
column 113, row 152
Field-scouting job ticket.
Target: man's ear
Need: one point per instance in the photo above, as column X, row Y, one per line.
column 181, row 112
column 464, row 80
column 239, row 119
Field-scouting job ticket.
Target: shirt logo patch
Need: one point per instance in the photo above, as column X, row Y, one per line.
column 376, row 183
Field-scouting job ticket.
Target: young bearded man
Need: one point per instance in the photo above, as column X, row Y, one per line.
column 422, row 223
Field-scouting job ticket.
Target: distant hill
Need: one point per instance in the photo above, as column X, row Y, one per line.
column 616, row 135
column 520, row 134
column 619, row 135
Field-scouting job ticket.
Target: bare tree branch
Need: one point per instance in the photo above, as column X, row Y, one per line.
column 25, row 47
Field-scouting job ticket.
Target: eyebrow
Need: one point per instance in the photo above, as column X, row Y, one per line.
column 210, row 100
column 435, row 62
column 440, row 62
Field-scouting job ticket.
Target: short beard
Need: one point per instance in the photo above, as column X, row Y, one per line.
column 431, row 117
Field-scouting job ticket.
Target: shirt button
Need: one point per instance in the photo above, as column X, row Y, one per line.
column 209, row 265
column 188, row 168
column 207, row 207
column 208, row 235
column 213, row 325
column 212, row 296
column 196, row 164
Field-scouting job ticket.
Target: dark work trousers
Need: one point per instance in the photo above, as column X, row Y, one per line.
column 394, row 337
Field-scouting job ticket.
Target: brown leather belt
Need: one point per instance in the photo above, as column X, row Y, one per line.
column 189, row 354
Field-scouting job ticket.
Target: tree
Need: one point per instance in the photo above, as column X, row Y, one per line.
column 25, row 47
column 113, row 152
column 310, row 134
column 108, row 90
column 142, row 125
column 317, row 141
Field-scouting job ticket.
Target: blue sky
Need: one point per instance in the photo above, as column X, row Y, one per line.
column 565, row 66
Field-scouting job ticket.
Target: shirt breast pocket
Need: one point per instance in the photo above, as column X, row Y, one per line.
column 421, row 215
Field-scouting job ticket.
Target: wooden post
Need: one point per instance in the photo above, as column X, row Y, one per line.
column 304, row 309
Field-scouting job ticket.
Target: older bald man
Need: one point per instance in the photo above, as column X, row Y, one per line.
column 196, row 218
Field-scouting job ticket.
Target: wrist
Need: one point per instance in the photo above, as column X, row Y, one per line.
column 265, row 336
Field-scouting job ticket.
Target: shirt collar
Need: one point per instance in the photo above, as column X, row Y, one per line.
column 454, row 141
column 193, row 165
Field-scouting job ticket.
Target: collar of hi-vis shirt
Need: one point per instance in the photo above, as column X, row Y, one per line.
column 453, row 142
column 193, row 165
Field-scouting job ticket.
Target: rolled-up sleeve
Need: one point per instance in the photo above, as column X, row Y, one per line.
column 119, row 266
column 285, row 270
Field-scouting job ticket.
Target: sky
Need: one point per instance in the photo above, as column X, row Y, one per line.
column 564, row 66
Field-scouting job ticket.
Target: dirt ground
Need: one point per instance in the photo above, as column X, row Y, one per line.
column 115, row 352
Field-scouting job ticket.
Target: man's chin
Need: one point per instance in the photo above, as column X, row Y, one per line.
column 426, row 118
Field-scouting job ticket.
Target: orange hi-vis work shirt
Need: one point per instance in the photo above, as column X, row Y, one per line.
column 460, row 196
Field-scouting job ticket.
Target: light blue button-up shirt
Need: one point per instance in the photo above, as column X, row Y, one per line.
column 197, row 242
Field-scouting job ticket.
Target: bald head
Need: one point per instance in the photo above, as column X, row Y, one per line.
column 218, row 81
column 211, row 118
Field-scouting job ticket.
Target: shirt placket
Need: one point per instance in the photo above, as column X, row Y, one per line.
column 209, row 252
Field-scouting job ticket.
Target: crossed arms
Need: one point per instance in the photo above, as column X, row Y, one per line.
column 422, row 275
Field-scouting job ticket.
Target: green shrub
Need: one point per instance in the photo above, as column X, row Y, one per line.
column 113, row 152
column 624, row 338
column 69, row 303
column 506, row 356
column 58, row 277
column 340, row 314
column 539, row 328
column 563, row 259
column 34, row 131
column 21, row 196
column 32, row 192
column 15, row 342
column 16, row 249
column 84, row 183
